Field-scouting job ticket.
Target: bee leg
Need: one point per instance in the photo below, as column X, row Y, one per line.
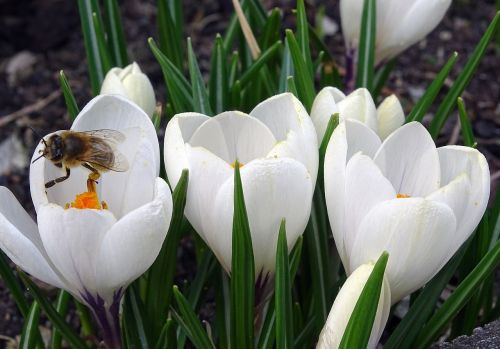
column 93, row 177
column 58, row 180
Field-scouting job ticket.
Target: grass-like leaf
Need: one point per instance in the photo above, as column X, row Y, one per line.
column 218, row 84
column 161, row 274
column 303, row 35
column 134, row 321
column 463, row 79
column 57, row 320
column 189, row 322
column 201, row 103
column 242, row 272
column 10, row 280
column 102, row 44
column 283, row 293
column 332, row 125
column 30, row 336
column 62, row 305
column 465, row 124
column 459, row 298
column 423, row 105
column 271, row 32
column 116, row 37
column 286, row 69
column 169, row 36
column 251, row 73
column 69, row 98
column 366, row 48
column 381, row 77
column 359, row 327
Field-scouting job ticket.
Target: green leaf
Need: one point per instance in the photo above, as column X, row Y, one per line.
column 94, row 61
column 304, row 337
column 291, row 86
column 201, row 103
column 57, row 320
column 218, row 84
column 459, row 298
column 283, row 293
column 177, row 85
column 252, row 72
column 69, row 98
column 115, row 33
column 62, row 304
column 367, row 38
column 286, row 69
column 271, row 32
column 423, row 105
column 101, row 44
column 189, row 322
column 161, row 274
column 222, row 314
column 242, row 272
column 359, row 327
column 10, row 280
column 303, row 35
column 233, row 68
column 303, row 77
column 332, row 125
column 30, row 336
column 463, row 79
column 381, row 77
column 169, row 35
column 157, row 116
column 135, row 323
column 465, row 124
column 421, row 309
column 83, row 312
column 168, row 337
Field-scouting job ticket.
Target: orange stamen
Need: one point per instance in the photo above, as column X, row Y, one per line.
column 234, row 164
column 402, row 196
column 87, row 200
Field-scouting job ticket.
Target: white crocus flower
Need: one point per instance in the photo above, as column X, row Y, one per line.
column 331, row 335
column 358, row 105
column 402, row 196
column 132, row 83
column 93, row 253
column 277, row 150
column 400, row 24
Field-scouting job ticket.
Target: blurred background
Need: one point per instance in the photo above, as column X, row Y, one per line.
column 38, row 38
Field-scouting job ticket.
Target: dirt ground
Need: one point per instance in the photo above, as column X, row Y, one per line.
column 42, row 37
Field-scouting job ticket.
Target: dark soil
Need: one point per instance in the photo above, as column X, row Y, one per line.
column 49, row 30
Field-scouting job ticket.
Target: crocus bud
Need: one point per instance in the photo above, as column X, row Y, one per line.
column 344, row 304
column 132, row 83
column 400, row 23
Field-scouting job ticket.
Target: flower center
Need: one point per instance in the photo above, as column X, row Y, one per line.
column 402, row 196
column 234, row 164
column 88, row 199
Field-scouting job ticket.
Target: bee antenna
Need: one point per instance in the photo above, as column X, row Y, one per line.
column 38, row 135
column 38, row 158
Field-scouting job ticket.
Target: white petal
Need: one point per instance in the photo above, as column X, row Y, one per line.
column 179, row 130
column 234, row 136
column 350, row 15
column 273, row 189
column 415, row 232
column 140, row 91
column 456, row 161
column 207, row 173
column 112, row 84
column 130, row 247
column 117, row 113
column 19, row 239
column 359, row 106
column 409, row 159
column 348, row 138
column 72, row 239
column 344, row 304
column 324, row 106
column 289, row 122
column 390, row 116
column 365, row 187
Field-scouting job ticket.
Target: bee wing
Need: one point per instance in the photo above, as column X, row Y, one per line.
column 103, row 153
column 110, row 136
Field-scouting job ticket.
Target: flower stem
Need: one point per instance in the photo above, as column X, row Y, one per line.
column 350, row 75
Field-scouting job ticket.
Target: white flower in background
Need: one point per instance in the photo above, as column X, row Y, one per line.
column 93, row 253
column 400, row 24
column 331, row 335
column 358, row 105
column 278, row 153
column 132, row 83
column 402, row 196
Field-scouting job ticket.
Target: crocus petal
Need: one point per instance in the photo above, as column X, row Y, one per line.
column 20, row 240
column 390, row 116
column 415, row 232
column 344, row 304
column 179, row 131
column 409, row 159
column 456, row 161
column 348, row 138
column 72, row 238
column 274, row 189
column 232, row 136
column 365, row 187
column 112, row 83
column 324, row 106
column 129, row 248
column 140, row 90
column 359, row 106
column 289, row 122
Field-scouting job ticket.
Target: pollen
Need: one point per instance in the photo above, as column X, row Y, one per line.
column 402, row 196
column 234, row 164
column 87, row 200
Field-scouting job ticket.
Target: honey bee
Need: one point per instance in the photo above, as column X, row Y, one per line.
column 94, row 150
